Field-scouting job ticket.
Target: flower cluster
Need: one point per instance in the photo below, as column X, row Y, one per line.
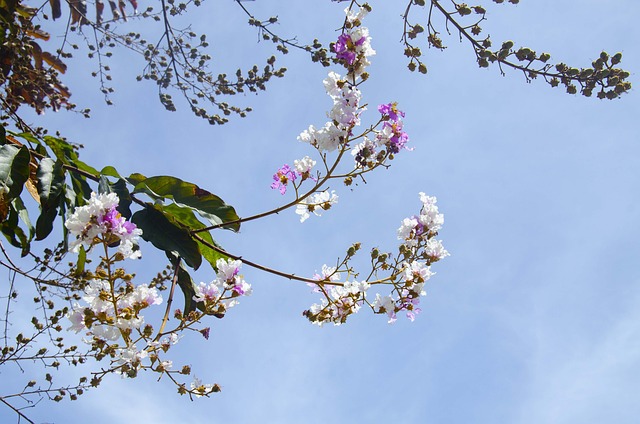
column 392, row 136
column 410, row 271
column 99, row 220
column 285, row 174
column 343, row 116
column 315, row 204
column 422, row 228
column 221, row 294
column 111, row 312
column 353, row 49
column 340, row 302
column 418, row 241
column 353, row 46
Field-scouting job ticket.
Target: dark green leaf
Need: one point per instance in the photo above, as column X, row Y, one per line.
column 81, row 188
column 208, row 205
column 40, row 149
column 186, row 285
column 50, row 179
column 44, row 223
column 13, row 233
column 187, row 218
column 14, row 168
column 120, row 188
column 23, row 214
column 166, row 236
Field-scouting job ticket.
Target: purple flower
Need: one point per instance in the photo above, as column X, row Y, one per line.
column 398, row 139
column 129, row 226
column 345, row 48
column 411, row 306
column 391, row 111
column 238, row 289
column 111, row 218
column 419, row 229
column 116, row 223
column 282, row 178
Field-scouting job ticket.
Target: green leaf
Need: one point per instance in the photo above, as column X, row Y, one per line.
column 23, row 214
column 50, row 180
column 13, row 233
column 81, row 188
column 208, row 205
column 14, row 168
column 28, row 137
column 120, row 188
column 66, row 153
column 40, row 149
column 82, row 258
column 135, row 179
column 44, row 223
column 187, row 218
column 110, row 171
column 166, row 236
column 185, row 282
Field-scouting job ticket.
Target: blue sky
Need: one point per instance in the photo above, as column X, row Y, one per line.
column 533, row 318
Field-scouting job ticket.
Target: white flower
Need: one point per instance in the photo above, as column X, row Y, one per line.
column 207, row 293
column 429, row 216
column 200, row 389
column 405, row 232
column 353, row 16
column 76, row 316
column 316, row 203
column 331, row 84
column 328, row 137
column 385, row 304
column 172, row 339
column 435, row 250
column 304, row 165
column 308, row 135
column 105, row 332
column 130, row 324
column 132, row 354
column 228, row 269
column 355, row 287
column 346, row 103
column 328, row 273
column 417, row 272
column 97, row 295
column 365, row 47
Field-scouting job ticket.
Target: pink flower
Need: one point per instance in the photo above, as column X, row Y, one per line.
column 345, row 48
column 391, row 111
column 282, row 178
